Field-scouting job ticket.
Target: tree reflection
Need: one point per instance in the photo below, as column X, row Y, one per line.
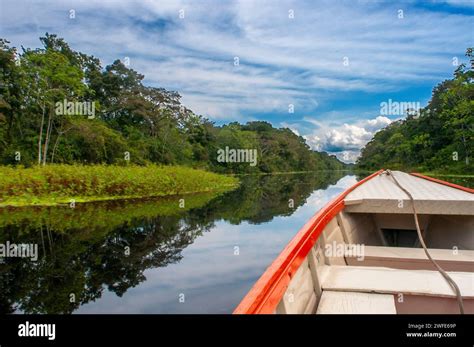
column 110, row 245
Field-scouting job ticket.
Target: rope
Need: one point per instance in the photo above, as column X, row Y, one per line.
column 448, row 279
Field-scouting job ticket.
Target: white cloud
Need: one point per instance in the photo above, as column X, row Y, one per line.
column 282, row 60
column 348, row 136
column 292, row 127
column 344, row 140
column 376, row 124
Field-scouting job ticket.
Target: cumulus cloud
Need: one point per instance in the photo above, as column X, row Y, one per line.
column 346, row 137
column 375, row 124
column 344, row 140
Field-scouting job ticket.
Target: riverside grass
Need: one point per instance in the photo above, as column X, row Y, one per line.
column 62, row 184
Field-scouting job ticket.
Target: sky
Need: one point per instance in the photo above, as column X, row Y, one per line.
column 321, row 68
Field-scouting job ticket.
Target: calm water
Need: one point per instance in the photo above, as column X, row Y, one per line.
column 147, row 256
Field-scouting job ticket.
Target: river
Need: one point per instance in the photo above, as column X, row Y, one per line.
column 192, row 254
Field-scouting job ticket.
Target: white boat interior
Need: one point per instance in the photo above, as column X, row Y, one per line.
column 368, row 258
column 381, row 195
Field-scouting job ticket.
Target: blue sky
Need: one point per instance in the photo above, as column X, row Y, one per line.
column 334, row 61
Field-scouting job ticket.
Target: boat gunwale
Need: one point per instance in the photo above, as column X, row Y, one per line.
column 266, row 293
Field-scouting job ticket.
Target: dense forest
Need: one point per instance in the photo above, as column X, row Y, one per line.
column 126, row 121
column 438, row 138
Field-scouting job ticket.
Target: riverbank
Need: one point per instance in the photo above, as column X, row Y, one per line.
column 65, row 184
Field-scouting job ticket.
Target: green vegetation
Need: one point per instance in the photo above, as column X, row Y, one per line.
column 439, row 139
column 54, row 184
column 124, row 124
column 258, row 199
column 131, row 122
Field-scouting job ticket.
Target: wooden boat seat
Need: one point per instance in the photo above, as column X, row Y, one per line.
column 414, row 258
column 333, row 302
column 395, row 281
column 382, row 195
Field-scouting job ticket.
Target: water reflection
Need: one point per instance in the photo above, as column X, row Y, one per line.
column 152, row 256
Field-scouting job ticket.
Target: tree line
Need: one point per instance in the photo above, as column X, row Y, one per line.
column 439, row 137
column 130, row 122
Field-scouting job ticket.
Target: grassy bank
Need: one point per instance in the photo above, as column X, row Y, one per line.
column 57, row 184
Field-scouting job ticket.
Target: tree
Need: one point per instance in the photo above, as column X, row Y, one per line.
column 52, row 76
column 150, row 123
column 443, row 132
